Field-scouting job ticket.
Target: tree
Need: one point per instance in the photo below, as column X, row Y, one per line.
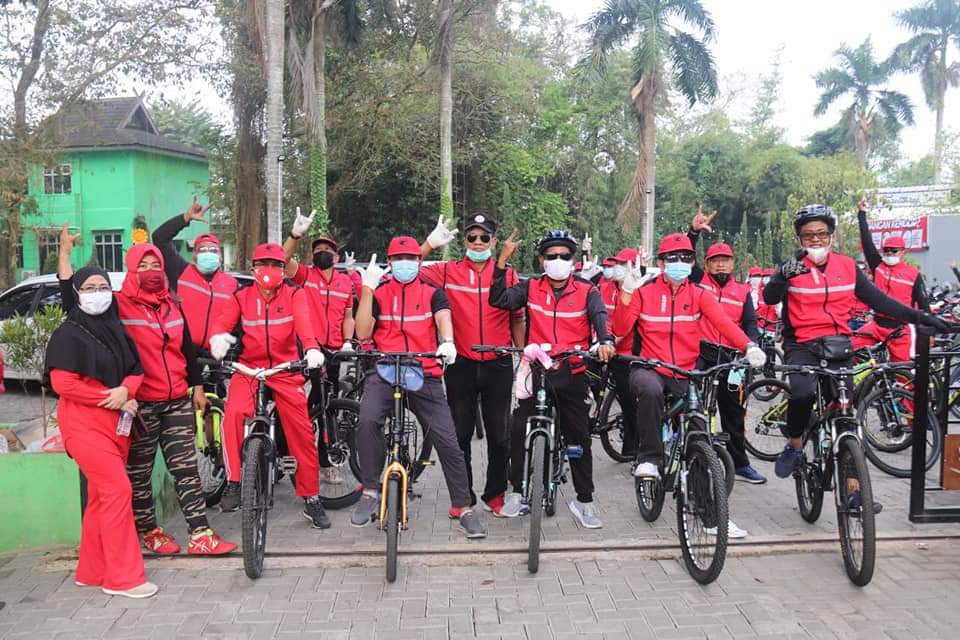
column 444, row 55
column 273, row 47
column 873, row 109
column 661, row 46
column 934, row 24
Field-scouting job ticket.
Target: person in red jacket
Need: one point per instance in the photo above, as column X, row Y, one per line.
column 666, row 313
column 95, row 369
column 151, row 316
column 477, row 377
column 406, row 314
column 274, row 315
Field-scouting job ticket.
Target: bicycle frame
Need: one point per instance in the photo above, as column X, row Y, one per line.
column 397, row 443
column 541, row 425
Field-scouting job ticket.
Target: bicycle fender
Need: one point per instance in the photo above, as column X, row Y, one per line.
column 268, row 444
column 397, row 469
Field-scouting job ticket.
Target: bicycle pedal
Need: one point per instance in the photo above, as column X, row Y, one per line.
column 427, row 463
column 574, row 451
column 722, row 437
column 287, row 464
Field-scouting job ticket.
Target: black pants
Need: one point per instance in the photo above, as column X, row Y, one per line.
column 803, row 387
column 316, row 396
column 732, row 413
column 620, row 372
column 568, row 395
column 491, row 381
column 650, row 389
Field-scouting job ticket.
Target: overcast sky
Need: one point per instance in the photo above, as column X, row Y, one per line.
column 749, row 33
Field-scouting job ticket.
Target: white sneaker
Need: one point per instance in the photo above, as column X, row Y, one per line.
column 512, row 506
column 586, row 514
column 331, row 475
column 646, row 470
column 145, row 590
column 733, row 531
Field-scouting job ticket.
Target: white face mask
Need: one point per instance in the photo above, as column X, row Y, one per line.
column 891, row 261
column 558, row 269
column 754, row 281
column 818, row 254
column 95, row 303
column 619, row 273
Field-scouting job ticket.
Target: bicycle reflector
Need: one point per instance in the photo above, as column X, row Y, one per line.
column 411, row 375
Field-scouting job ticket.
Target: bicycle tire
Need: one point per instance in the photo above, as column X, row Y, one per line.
column 392, row 526
column 726, row 463
column 704, row 485
column 765, row 421
column 650, row 497
column 537, row 463
column 850, row 458
column 768, row 370
column 612, row 433
column 346, row 415
column 896, row 458
column 210, row 468
column 809, row 481
column 954, row 388
column 253, row 510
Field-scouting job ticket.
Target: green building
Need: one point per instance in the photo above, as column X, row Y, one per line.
column 115, row 174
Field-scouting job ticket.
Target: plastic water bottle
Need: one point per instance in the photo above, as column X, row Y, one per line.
column 665, row 432
column 124, row 424
column 574, row 451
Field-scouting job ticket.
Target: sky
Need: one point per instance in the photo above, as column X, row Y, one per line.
column 749, row 33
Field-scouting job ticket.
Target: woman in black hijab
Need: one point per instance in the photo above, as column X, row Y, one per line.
column 95, row 369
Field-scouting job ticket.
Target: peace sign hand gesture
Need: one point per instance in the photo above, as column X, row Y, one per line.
column 509, row 248
column 195, row 212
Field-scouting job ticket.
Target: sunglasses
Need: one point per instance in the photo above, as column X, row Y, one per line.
column 808, row 236
column 891, row 251
column 678, row 257
column 558, row 256
column 483, row 237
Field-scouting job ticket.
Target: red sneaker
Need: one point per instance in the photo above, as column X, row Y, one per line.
column 494, row 505
column 160, row 543
column 206, row 542
column 454, row 513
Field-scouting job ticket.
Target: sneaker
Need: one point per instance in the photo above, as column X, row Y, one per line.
column 586, row 513
column 145, row 590
column 787, row 461
column 160, row 543
column 313, row 511
column 471, row 524
column 331, row 475
column 494, row 505
column 366, row 510
column 751, row 475
column 733, row 531
column 230, row 499
column 513, row 506
column 454, row 513
column 206, row 542
column 853, row 503
column 646, row 470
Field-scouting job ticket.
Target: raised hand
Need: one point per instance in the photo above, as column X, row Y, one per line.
column 508, row 249
column 587, row 245
column 195, row 212
column 350, row 261
column 373, row 273
column 702, row 222
column 442, row 235
column 301, row 224
column 67, row 239
column 863, row 205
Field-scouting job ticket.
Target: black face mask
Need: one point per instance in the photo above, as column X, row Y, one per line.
column 323, row 260
column 721, row 278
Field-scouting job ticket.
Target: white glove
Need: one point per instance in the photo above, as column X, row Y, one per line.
column 590, row 269
column 447, row 352
column 587, row 244
column 756, row 356
column 633, row 277
column 220, row 344
column 301, row 223
column 350, row 261
column 373, row 273
column 442, row 235
column 347, row 346
column 314, row 358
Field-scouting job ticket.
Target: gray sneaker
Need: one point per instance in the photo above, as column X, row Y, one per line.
column 366, row 510
column 586, row 514
column 472, row 525
column 513, row 506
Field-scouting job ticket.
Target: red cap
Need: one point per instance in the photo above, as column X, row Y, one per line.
column 626, row 255
column 403, row 245
column 893, row 242
column 769, row 271
column 674, row 242
column 609, row 262
column 325, row 239
column 269, row 251
column 719, row 249
column 206, row 237
column 755, row 272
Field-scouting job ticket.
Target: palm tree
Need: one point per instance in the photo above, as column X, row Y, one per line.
column 861, row 76
column 271, row 171
column 934, row 24
column 663, row 51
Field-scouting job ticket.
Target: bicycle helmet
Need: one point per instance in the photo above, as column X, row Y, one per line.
column 557, row 238
column 812, row 212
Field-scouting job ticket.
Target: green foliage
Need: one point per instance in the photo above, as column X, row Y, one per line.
column 318, row 191
column 25, row 339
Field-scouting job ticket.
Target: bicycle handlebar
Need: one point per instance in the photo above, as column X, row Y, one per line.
column 390, row 354
column 253, row 372
column 485, row 348
column 649, row 363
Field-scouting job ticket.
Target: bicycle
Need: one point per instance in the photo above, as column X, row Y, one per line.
column 606, row 417
column 209, row 437
column 691, row 468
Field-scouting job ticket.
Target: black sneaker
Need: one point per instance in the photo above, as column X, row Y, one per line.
column 471, row 525
column 313, row 511
column 230, row 500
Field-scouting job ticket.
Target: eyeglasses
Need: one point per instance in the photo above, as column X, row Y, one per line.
column 678, row 257
column 558, row 256
column 891, row 251
column 100, row 289
column 808, row 236
column 483, row 237
column 208, row 250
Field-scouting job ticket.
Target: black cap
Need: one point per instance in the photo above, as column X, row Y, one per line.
column 482, row 220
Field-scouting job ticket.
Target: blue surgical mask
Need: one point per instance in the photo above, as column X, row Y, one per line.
column 608, row 273
column 478, row 256
column 677, row 272
column 208, row 262
column 405, row 271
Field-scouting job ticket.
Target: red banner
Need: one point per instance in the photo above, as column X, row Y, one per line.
column 913, row 231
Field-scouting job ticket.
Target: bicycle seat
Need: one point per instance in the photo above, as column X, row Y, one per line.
column 411, row 374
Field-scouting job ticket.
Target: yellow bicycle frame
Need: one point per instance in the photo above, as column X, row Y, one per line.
column 394, row 469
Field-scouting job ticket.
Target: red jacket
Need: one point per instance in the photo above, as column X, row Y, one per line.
column 77, row 410
column 468, row 291
column 271, row 327
column 404, row 321
column 329, row 301
column 820, row 303
column 203, row 300
column 669, row 323
column 767, row 314
column 731, row 297
column 897, row 281
column 561, row 322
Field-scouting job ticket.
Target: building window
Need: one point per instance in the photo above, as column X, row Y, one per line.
column 57, row 179
column 48, row 246
column 108, row 246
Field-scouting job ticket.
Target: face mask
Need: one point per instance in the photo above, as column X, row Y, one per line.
column 818, row 254
column 891, row 261
column 754, row 281
column 208, row 262
column 151, row 280
column 608, row 273
column 269, row 277
column 405, row 271
column 765, row 281
column 95, row 303
column 721, row 278
column 619, row 273
column 677, row 272
column 478, row 256
column 558, row 269
column 323, row 260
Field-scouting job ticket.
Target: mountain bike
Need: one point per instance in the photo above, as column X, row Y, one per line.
column 606, row 417
column 209, row 437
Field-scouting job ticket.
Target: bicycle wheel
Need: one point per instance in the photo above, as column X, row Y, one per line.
column 855, row 516
column 888, row 429
column 650, row 497
column 213, row 475
column 392, row 526
column 343, row 415
column 808, row 478
column 702, row 505
column 611, row 426
column 726, row 463
column 953, row 392
column 254, row 485
column 537, row 463
column 765, row 421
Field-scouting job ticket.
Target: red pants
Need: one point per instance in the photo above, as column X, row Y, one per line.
column 902, row 348
column 291, row 402
column 109, row 548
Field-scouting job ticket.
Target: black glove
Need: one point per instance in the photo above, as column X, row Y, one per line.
column 794, row 266
column 933, row 321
